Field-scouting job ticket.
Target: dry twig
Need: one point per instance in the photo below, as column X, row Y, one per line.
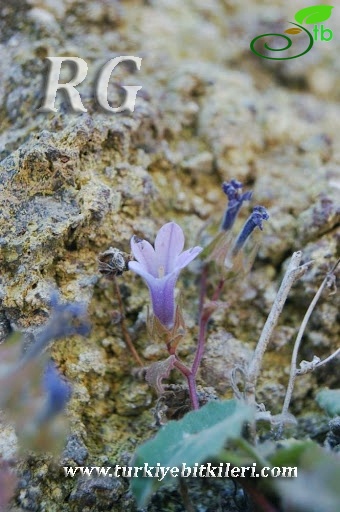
column 293, row 273
column 293, row 370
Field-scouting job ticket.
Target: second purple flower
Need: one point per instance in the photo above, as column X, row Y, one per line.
column 160, row 266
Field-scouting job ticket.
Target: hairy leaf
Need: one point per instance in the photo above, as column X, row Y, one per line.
column 329, row 400
column 158, row 371
column 193, row 439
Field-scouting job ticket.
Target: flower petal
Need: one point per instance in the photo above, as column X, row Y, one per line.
column 162, row 292
column 139, row 268
column 163, row 298
column 160, row 268
column 187, row 256
column 145, row 254
column 168, row 245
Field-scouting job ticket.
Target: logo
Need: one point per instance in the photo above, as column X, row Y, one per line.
column 309, row 16
column 80, row 68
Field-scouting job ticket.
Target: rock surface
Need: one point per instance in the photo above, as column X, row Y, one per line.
column 72, row 185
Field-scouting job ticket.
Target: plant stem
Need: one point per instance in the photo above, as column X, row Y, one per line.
column 125, row 332
column 292, row 375
column 204, row 317
column 203, row 289
column 250, row 450
column 201, row 342
column 183, row 489
column 202, row 323
column 203, row 320
column 218, row 290
column 329, row 358
column 191, row 382
column 193, row 391
column 293, row 273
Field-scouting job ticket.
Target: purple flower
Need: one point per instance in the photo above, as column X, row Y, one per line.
column 254, row 220
column 233, row 190
column 160, row 267
column 58, row 393
column 66, row 319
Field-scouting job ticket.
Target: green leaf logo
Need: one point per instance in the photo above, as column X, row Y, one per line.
column 314, row 14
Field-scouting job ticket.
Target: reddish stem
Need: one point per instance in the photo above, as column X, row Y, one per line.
column 204, row 319
column 218, row 290
column 125, row 332
column 203, row 290
column 191, row 383
column 193, row 392
column 201, row 342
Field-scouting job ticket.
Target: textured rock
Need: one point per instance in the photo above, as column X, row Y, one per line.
column 73, row 185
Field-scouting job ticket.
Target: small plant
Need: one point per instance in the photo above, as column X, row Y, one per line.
column 160, row 266
column 202, row 434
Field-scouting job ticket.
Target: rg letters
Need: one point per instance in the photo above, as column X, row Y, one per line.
column 69, row 88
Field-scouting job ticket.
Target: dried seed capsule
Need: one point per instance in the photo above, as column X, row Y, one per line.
column 113, row 262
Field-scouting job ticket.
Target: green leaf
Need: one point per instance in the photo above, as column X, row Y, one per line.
column 329, row 400
column 193, row 439
column 314, row 14
column 290, row 452
column 316, row 487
